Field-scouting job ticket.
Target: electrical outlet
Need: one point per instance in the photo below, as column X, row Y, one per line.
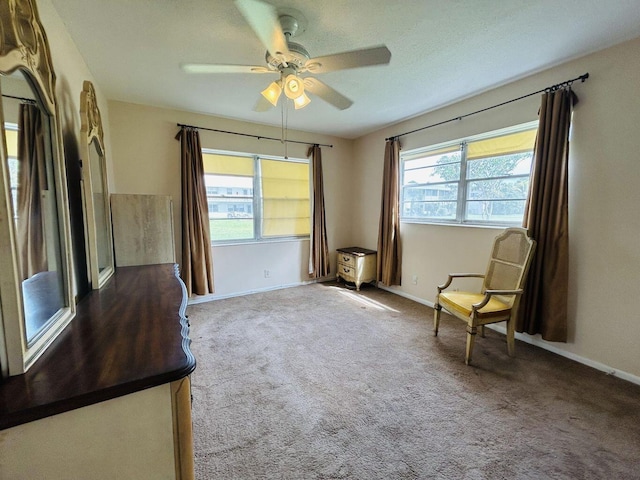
column 267, row 274
column 415, row 279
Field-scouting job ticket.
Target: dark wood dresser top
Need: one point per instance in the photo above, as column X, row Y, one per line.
column 130, row 335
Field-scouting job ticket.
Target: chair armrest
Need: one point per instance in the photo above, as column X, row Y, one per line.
column 458, row 275
column 490, row 293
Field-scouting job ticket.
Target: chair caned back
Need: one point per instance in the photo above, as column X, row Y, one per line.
column 510, row 259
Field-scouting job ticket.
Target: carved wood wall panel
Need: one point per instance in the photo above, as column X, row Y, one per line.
column 23, row 43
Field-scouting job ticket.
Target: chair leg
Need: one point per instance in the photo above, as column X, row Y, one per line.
column 471, row 336
column 436, row 318
column 482, row 331
column 511, row 343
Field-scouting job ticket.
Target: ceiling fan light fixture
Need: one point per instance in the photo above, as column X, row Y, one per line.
column 293, row 86
column 302, row 101
column 272, row 93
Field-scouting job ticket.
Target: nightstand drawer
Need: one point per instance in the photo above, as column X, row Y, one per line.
column 346, row 272
column 346, row 259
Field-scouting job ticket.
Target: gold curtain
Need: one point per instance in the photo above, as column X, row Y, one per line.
column 319, row 251
column 32, row 182
column 197, row 263
column 543, row 307
column 389, row 251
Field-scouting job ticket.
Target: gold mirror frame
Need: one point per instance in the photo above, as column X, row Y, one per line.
column 98, row 231
column 24, row 47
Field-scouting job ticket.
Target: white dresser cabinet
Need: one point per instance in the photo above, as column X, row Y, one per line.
column 357, row 265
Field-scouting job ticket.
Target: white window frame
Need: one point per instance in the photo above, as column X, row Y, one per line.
column 257, row 198
column 462, row 182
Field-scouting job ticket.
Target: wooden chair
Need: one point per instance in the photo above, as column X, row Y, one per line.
column 502, row 287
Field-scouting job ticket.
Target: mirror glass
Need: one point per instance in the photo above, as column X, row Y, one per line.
column 29, row 136
column 98, row 189
column 96, row 207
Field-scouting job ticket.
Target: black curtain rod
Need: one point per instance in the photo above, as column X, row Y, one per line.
column 259, row 137
column 22, row 99
column 548, row 89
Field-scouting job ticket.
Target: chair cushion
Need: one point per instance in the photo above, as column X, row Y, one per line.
column 459, row 304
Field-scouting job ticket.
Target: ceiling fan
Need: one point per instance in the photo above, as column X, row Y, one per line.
column 290, row 60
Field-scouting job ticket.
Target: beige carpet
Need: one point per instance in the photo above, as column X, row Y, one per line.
column 321, row 382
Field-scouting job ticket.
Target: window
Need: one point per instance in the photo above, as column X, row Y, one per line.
column 478, row 180
column 264, row 198
column 11, row 134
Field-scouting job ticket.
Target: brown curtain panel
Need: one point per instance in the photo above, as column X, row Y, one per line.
column 319, row 249
column 389, row 251
column 32, row 181
column 543, row 307
column 197, row 263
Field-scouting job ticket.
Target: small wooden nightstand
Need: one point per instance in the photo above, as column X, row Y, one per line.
column 357, row 265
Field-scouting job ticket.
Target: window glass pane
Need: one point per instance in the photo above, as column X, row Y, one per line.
column 432, row 201
column 229, row 185
column 432, row 210
column 436, row 174
column 230, row 164
column 516, row 164
column 11, row 136
column 504, row 144
column 285, row 198
column 430, row 185
column 498, row 189
column 495, row 211
column 443, row 191
column 432, row 169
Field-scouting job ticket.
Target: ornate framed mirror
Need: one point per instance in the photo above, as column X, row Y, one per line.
column 98, row 228
column 36, row 285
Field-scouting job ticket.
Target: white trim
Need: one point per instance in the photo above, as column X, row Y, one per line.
column 405, row 295
column 212, row 297
column 537, row 342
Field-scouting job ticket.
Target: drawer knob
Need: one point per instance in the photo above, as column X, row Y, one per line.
column 346, row 259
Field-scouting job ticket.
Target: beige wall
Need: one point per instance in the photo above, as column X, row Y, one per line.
column 604, row 199
column 147, row 161
column 71, row 71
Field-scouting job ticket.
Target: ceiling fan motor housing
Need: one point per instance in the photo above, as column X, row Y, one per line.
column 296, row 58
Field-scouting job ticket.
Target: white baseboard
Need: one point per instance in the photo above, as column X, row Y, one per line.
column 538, row 342
column 212, row 297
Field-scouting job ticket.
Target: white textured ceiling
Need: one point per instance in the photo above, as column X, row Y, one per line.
column 442, row 51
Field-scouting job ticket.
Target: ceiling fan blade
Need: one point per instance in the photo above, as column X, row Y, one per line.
column 216, row 68
column 263, row 19
column 262, row 105
column 326, row 93
column 352, row 59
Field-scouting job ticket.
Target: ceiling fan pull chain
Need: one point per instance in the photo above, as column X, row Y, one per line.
column 282, row 121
